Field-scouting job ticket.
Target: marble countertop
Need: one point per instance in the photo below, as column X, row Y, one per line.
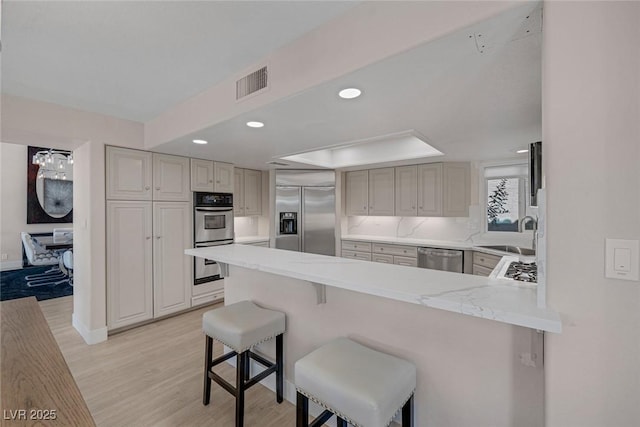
column 500, row 300
column 251, row 239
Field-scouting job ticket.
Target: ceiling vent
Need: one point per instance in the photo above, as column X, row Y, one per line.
column 251, row 83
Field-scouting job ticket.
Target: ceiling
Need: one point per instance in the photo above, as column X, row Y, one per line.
column 470, row 102
column 136, row 59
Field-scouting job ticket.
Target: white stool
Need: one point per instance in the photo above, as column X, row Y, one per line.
column 241, row 326
column 359, row 385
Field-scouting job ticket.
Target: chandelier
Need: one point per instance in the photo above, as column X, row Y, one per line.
column 53, row 164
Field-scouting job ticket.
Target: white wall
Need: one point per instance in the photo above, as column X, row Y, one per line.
column 13, row 204
column 591, row 134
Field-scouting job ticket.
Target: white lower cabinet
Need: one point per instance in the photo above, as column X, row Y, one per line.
column 172, row 269
column 129, row 263
column 148, row 274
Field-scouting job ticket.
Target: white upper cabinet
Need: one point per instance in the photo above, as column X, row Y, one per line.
column 171, row 178
column 129, row 175
column 172, row 269
column 407, row 191
column 430, row 189
column 238, row 192
column 252, row 192
column 224, row 177
column 357, row 183
column 201, row 175
column 382, row 192
column 456, row 189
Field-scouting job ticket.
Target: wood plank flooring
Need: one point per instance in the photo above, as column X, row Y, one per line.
column 152, row 375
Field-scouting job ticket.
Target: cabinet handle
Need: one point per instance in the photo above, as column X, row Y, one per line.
column 157, row 188
column 210, row 180
column 148, row 237
column 381, row 249
column 147, row 187
column 420, row 207
column 218, row 182
column 158, row 237
column 413, row 207
column 404, row 252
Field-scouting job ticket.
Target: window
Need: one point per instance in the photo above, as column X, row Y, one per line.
column 505, row 196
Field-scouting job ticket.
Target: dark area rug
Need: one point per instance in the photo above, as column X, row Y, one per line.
column 14, row 285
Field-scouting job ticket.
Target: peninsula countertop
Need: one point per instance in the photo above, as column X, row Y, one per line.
column 494, row 299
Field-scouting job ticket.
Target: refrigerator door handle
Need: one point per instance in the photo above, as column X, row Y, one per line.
column 301, row 227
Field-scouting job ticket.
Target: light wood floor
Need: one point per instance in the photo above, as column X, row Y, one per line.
column 152, row 375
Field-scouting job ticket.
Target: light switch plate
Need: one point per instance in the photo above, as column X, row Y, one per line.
column 622, row 259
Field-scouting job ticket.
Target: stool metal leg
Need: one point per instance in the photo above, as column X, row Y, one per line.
column 279, row 369
column 340, row 422
column 208, row 356
column 247, row 366
column 407, row 413
column 240, row 386
column 302, row 410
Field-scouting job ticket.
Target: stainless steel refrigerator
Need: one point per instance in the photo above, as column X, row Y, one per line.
column 305, row 211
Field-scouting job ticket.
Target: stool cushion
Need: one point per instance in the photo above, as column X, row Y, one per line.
column 242, row 325
column 363, row 386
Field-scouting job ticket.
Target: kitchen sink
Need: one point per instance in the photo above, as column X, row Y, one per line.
column 511, row 249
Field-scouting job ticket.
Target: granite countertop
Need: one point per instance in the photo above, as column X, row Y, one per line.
column 251, row 239
column 501, row 300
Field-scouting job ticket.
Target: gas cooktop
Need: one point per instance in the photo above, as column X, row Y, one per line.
column 522, row 271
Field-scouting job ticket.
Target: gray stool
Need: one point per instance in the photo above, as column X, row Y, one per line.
column 359, row 385
column 241, row 326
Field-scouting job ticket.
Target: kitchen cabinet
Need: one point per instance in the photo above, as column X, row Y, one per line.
column 406, row 261
column 430, row 189
column 406, row 190
column 129, row 174
column 247, row 194
column 171, row 178
column 381, row 192
column 357, row 189
column 483, row 264
column 385, row 259
column 356, row 250
column 456, row 189
column 224, row 174
column 201, row 175
column 129, row 263
column 210, row 176
column 362, row 256
column 172, row 269
column 380, row 252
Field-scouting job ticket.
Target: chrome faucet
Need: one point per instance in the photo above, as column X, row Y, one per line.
column 534, row 222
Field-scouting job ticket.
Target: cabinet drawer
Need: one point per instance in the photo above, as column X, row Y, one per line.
column 364, row 256
column 351, row 245
column 385, row 259
column 485, row 260
column 479, row 270
column 406, row 261
column 409, row 251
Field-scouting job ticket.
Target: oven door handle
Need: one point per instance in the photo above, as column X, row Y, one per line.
column 214, row 209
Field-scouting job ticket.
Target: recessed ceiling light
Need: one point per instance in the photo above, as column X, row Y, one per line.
column 349, row 93
column 199, row 141
column 522, row 151
column 255, row 124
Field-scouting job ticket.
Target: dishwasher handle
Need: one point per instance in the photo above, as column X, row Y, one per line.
column 440, row 252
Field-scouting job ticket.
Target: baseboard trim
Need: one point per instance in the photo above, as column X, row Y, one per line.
column 90, row 336
column 10, row 265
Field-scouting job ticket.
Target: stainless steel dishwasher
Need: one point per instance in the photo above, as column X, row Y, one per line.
column 441, row 259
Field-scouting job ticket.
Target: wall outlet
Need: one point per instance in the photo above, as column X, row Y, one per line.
column 5, row 257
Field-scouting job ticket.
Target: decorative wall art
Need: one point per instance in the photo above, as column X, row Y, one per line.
column 49, row 186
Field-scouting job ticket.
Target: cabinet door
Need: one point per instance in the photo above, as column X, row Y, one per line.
column 201, row 175
column 382, row 191
column 456, row 189
column 128, row 174
column 407, row 191
column 406, row 261
column 129, row 263
column 357, row 192
column 172, row 269
column 223, row 177
column 171, row 178
column 430, row 189
column 238, row 192
column 252, row 192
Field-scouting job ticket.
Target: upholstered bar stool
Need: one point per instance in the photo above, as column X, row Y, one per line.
column 241, row 326
column 361, row 386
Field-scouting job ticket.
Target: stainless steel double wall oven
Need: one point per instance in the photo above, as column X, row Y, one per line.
column 213, row 226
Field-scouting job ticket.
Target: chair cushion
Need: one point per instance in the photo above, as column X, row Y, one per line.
column 242, row 325
column 363, row 386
